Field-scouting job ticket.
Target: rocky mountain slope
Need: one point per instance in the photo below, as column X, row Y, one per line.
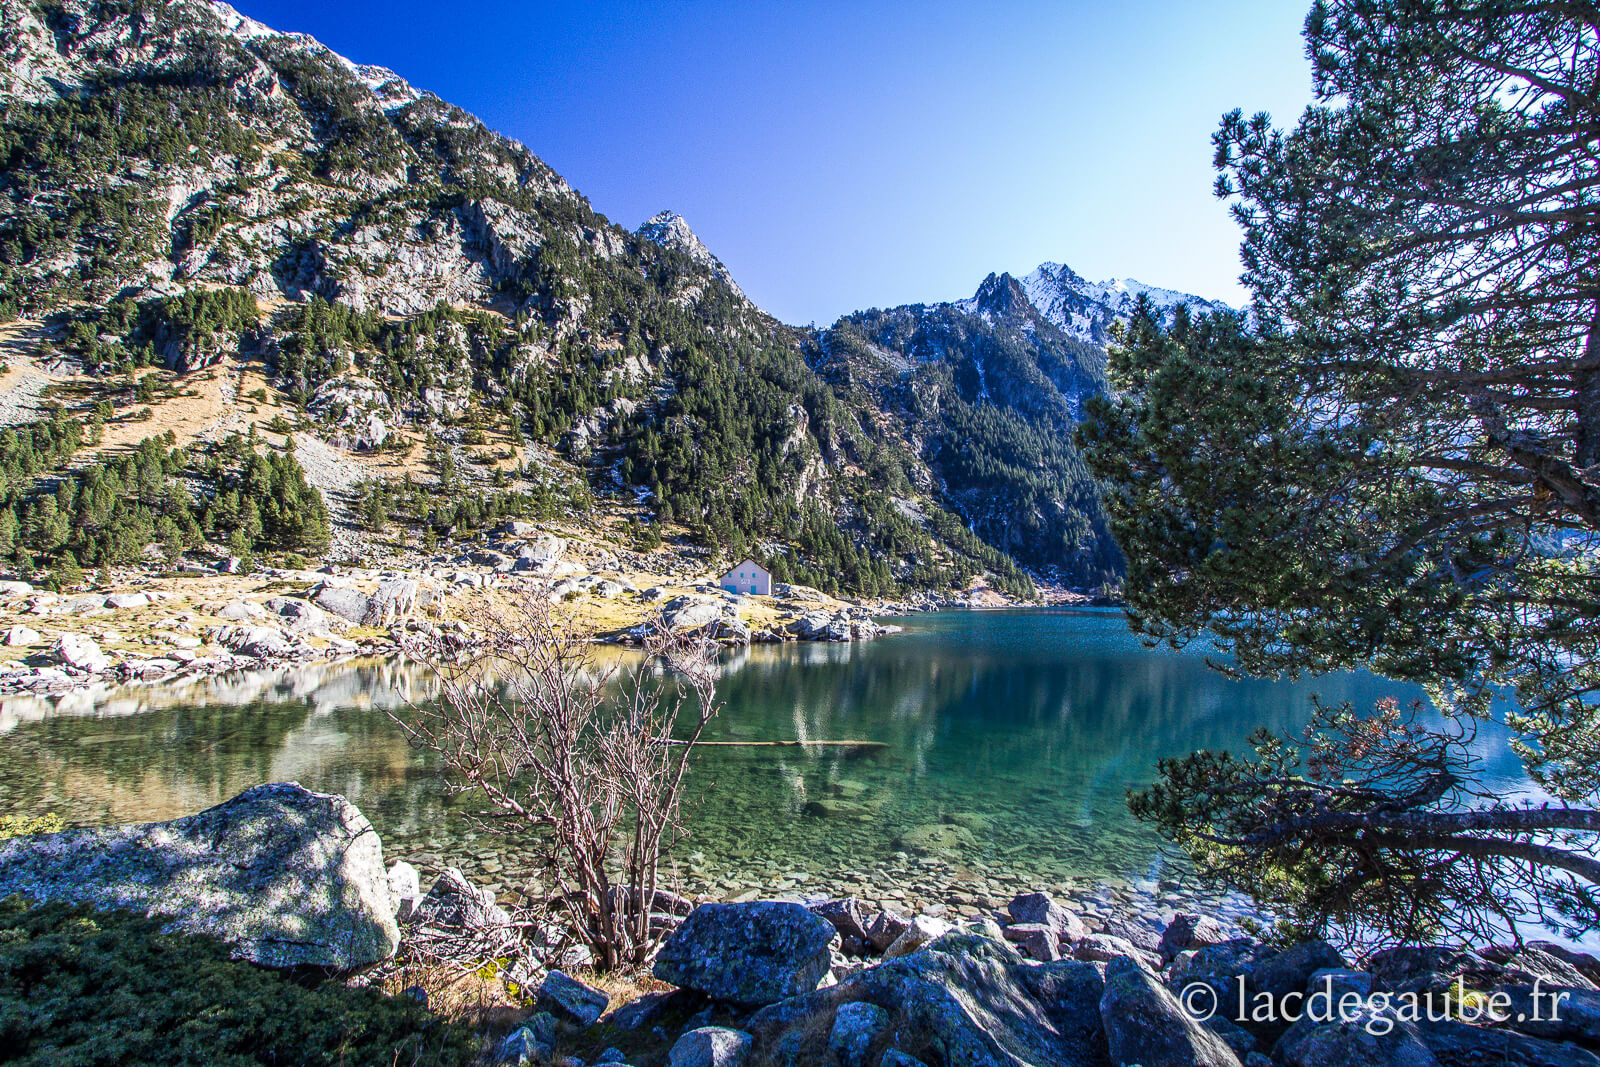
column 240, row 240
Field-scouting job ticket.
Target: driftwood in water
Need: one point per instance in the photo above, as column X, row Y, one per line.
column 789, row 744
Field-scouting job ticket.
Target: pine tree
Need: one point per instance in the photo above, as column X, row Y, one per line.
column 1397, row 466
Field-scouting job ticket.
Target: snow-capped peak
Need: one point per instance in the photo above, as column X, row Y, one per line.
column 1087, row 309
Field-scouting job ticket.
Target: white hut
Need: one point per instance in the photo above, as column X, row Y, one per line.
column 748, row 577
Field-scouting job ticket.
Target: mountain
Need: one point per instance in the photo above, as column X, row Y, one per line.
column 670, row 230
column 217, row 239
column 1086, row 310
column 989, row 390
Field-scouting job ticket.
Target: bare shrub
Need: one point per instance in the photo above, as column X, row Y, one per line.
column 576, row 760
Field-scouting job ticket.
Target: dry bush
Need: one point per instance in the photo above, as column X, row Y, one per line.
column 577, row 759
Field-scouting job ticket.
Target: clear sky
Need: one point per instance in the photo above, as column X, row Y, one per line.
column 844, row 156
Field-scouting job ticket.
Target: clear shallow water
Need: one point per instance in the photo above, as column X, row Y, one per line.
column 1009, row 740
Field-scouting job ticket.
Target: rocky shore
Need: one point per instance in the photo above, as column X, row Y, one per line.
column 161, row 623
column 292, row 879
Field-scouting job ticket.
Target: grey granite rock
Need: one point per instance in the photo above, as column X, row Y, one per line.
column 856, row 1026
column 1575, row 1017
column 570, row 1000
column 1282, row 973
column 349, row 604
column 1220, row 967
column 976, row 1001
column 1041, row 908
column 1145, row 1024
column 1361, row 1039
column 285, row 876
column 710, row 1046
column 922, row 930
column 752, row 954
column 1456, row 1044
column 885, row 928
column 1189, row 931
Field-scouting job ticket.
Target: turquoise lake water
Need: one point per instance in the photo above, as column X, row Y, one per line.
column 1009, row 741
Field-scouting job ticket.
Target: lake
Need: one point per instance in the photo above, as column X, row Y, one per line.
column 1010, row 739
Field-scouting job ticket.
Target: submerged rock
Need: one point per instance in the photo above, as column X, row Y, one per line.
column 935, row 838
column 286, row 876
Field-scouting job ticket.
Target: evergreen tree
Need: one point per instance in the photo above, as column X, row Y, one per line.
column 1398, row 466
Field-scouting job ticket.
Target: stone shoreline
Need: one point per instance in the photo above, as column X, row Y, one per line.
column 829, row 980
column 156, row 627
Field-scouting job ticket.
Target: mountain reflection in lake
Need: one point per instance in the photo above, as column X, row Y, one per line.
column 1010, row 740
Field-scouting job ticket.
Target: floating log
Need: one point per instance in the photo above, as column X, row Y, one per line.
column 789, row 744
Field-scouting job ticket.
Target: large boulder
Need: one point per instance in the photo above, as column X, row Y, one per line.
column 1536, row 1011
column 1289, row 971
column 885, row 928
column 80, row 651
column 20, row 635
column 349, row 604
column 1386, row 1037
column 811, row 626
column 964, row 1000
column 240, row 611
column 1532, row 962
column 1221, row 967
column 855, row 1027
column 543, row 553
column 1042, row 909
column 1456, row 1044
column 299, row 617
column 286, row 876
column 922, row 930
column 692, row 615
column 1145, row 1024
column 1430, row 969
column 454, row 905
column 395, row 600
column 751, row 954
column 260, row 642
column 846, row 916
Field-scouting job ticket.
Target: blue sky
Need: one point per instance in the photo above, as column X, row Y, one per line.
column 866, row 155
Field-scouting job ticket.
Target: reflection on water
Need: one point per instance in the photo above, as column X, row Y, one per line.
column 1022, row 730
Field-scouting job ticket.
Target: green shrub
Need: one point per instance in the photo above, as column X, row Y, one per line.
column 83, row 987
column 17, row 825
